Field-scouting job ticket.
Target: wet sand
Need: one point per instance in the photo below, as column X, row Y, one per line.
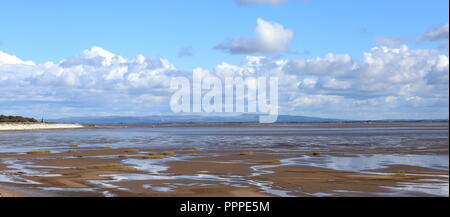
column 103, row 171
column 7, row 193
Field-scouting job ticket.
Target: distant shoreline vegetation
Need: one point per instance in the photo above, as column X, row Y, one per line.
column 16, row 119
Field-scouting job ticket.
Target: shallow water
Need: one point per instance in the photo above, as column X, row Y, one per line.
column 364, row 163
column 359, row 163
column 354, row 149
column 300, row 138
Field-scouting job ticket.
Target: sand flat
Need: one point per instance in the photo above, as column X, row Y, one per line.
column 8, row 193
column 285, row 162
column 202, row 173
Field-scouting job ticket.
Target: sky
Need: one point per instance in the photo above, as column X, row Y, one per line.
column 339, row 59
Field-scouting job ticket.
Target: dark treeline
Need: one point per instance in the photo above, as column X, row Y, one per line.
column 4, row 118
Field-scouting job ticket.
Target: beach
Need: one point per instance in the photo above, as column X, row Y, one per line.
column 37, row 126
column 286, row 160
column 8, row 193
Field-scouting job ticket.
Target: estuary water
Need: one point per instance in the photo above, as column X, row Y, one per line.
column 359, row 147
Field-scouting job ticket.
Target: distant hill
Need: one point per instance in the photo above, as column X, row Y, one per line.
column 245, row 118
column 9, row 119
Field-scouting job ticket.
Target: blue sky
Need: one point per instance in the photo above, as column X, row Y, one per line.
column 51, row 30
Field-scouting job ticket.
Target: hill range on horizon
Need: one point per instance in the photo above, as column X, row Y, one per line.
column 244, row 118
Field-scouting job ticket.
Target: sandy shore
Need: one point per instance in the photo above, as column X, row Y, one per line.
column 8, row 193
column 105, row 171
column 37, row 126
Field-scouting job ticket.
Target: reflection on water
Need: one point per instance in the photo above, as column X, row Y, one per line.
column 17, row 170
column 67, row 189
column 360, row 162
column 439, row 188
column 363, row 163
column 159, row 188
column 153, row 166
column 236, row 181
column 419, row 138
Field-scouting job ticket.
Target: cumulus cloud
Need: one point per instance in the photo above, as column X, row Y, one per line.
column 95, row 79
column 7, row 59
column 386, row 83
column 383, row 72
column 272, row 2
column 96, row 56
column 269, row 37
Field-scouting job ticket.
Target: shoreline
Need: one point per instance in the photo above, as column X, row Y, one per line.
column 37, row 126
column 12, row 126
column 287, row 124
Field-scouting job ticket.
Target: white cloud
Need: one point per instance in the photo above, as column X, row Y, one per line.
column 383, row 71
column 314, row 100
column 92, row 80
column 269, row 37
column 387, row 82
column 96, row 56
column 10, row 59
